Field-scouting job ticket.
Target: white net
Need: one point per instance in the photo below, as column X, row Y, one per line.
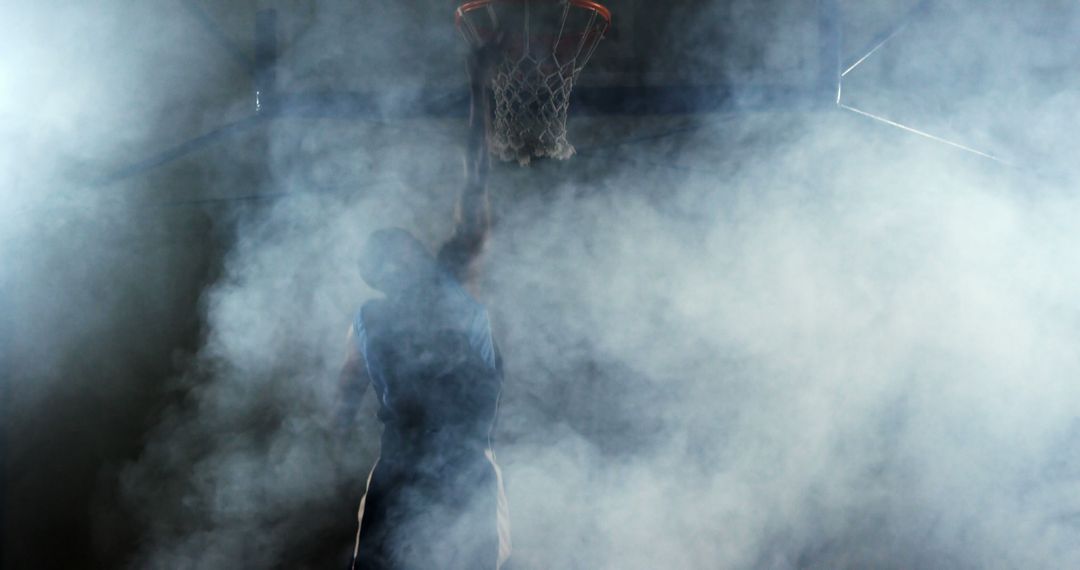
column 532, row 99
column 534, row 79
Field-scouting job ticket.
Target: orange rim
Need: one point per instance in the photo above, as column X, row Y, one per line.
column 475, row 4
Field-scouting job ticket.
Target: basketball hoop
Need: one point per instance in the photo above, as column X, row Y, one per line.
column 545, row 45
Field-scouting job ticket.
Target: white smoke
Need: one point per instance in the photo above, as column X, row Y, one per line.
column 776, row 339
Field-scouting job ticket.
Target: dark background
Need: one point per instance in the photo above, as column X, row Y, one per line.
column 143, row 186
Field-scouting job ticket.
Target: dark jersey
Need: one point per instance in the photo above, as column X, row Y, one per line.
column 434, row 369
column 434, row 499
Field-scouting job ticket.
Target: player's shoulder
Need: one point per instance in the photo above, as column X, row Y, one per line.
column 462, row 298
column 371, row 311
column 375, row 304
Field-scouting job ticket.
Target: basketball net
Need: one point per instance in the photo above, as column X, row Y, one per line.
column 535, row 74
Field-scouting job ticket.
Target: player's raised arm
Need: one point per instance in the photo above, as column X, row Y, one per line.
column 473, row 212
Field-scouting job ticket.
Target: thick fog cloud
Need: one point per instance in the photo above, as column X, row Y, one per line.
column 778, row 341
column 86, row 90
column 91, row 275
column 801, row 363
column 772, row 340
column 251, row 465
column 813, row 368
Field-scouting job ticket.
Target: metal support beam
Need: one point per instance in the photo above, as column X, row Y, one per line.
column 179, row 151
column 882, row 37
column 829, row 55
column 266, row 55
column 875, row 44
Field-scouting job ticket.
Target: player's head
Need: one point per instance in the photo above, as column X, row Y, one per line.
column 394, row 262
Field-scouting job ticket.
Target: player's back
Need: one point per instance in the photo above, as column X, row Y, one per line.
column 433, row 369
column 435, row 489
